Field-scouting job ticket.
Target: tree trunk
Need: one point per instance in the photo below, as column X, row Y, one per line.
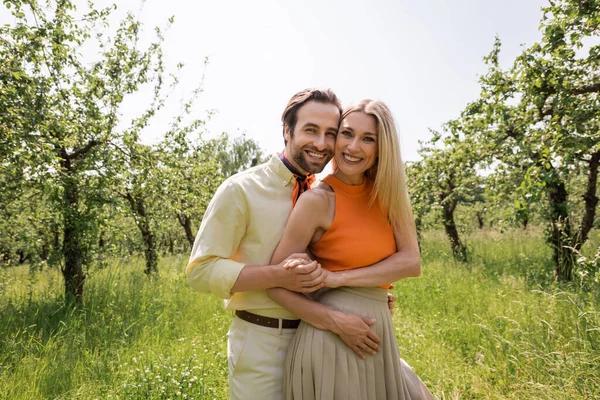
column 101, row 241
column 459, row 250
column 163, row 244
column 418, row 224
column 44, row 252
column 56, row 237
column 72, row 252
column 480, row 218
column 22, row 256
column 560, row 230
column 590, row 201
column 171, row 244
column 186, row 222
column 150, row 252
column 525, row 222
column 142, row 220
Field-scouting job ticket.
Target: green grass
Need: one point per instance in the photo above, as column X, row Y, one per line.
column 498, row 328
column 135, row 338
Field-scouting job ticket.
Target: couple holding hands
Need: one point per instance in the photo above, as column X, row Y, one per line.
column 306, row 272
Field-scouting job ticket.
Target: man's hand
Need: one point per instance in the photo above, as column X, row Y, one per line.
column 391, row 300
column 355, row 332
column 300, row 274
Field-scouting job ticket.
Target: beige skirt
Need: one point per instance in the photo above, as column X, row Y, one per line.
column 320, row 366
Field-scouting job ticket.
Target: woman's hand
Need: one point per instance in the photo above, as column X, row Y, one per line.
column 355, row 331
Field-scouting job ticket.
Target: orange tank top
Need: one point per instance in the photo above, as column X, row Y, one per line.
column 359, row 235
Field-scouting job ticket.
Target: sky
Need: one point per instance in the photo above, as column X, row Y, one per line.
column 421, row 57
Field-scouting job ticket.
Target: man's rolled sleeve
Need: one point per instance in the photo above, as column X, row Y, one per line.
column 211, row 268
column 214, row 275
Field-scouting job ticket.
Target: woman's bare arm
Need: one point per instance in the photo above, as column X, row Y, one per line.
column 404, row 263
column 308, row 216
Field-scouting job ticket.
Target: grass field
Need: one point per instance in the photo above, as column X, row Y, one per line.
column 496, row 328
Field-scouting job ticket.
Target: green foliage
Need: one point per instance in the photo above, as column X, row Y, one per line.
column 80, row 186
column 539, row 120
column 238, row 154
column 62, row 113
column 189, row 174
column 443, row 179
column 534, row 130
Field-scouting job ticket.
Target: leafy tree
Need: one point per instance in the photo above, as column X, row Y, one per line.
column 238, row 154
column 137, row 184
column 541, row 118
column 447, row 175
column 421, row 198
column 190, row 175
column 193, row 169
column 30, row 230
column 59, row 114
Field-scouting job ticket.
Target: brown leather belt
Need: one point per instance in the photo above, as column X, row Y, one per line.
column 267, row 321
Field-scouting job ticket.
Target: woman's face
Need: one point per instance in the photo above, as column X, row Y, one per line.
column 356, row 146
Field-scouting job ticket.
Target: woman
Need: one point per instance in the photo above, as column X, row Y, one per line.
column 357, row 217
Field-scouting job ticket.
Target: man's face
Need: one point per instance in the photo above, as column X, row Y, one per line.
column 312, row 145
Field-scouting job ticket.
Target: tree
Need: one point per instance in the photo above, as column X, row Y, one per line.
column 137, row 184
column 190, row 176
column 541, row 118
column 193, row 169
column 238, row 154
column 59, row 114
column 421, row 199
column 447, row 175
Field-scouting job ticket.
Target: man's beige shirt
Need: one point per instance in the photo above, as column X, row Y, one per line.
column 242, row 226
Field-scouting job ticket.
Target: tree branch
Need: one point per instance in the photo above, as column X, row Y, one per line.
column 82, row 151
column 548, row 110
column 513, row 133
column 593, row 88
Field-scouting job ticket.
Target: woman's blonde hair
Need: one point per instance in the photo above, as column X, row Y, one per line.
column 389, row 187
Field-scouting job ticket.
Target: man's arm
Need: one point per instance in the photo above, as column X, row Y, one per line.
column 211, row 269
column 305, row 278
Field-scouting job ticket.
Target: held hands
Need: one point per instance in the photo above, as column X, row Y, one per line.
column 301, row 274
column 307, row 275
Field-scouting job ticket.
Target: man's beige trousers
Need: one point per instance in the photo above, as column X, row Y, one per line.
column 256, row 357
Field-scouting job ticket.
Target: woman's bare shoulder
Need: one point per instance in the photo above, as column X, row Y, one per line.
column 317, row 198
column 323, row 186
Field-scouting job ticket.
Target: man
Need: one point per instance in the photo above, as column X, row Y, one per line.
column 239, row 232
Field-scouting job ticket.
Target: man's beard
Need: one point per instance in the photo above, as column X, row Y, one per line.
column 299, row 158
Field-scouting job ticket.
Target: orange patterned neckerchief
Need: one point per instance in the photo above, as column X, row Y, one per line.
column 303, row 182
